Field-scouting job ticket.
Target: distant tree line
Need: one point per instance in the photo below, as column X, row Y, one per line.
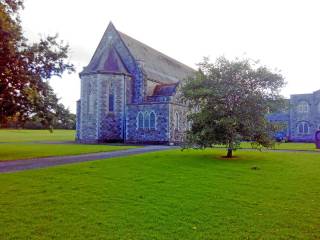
column 25, row 94
column 63, row 119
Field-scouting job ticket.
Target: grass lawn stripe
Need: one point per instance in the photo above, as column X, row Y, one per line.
column 167, row 195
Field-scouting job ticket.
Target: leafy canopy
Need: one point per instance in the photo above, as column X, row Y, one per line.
column 25, row 68
column 229, row 101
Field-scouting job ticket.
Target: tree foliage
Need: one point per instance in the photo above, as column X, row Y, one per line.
column 229, row 102
column 25, row 68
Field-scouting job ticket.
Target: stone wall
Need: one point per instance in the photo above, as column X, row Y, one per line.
column 177, row 133
column 159, row 135
column 97, row 123
column 88, row 123
column 312, row 117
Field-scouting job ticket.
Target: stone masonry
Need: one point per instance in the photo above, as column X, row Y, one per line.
column 303, row 118
column 129, row 93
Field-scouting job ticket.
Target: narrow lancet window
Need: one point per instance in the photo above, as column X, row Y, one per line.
column 152, row 120
column 146, row 120
column 177, row 127
column 91, row 103
column 140, row 120
column 111, row 102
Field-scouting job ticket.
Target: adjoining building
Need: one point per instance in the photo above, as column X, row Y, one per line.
column 129, row 93
column 302, row 119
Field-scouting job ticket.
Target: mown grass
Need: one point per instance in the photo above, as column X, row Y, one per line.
column 16, row 151
column 26, row 144
column 24, row 135
column 287, row 146
column 167, row 195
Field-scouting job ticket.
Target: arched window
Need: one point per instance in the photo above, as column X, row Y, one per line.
column 91, row 104
column 111, row 102
column 90, row 98
column 146, row 120
column 176, row 125
column 303, row 128
column 111, row 97
column 319, row 107
column 303, row 107
column 140, row 120
column 152, row 120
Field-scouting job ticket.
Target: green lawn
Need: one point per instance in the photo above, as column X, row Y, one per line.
column 16, row 151
column 288, row 146
column 14, row 135
column 282, row 146
column 26, row 144
column 167, row 195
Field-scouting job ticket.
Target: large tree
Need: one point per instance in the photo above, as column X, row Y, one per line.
column 229, row 101
column 25, row 68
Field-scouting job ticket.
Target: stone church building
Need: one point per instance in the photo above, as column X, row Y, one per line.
column 130, row 93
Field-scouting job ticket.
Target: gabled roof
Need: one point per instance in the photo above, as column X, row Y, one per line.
column 317, row 92
column 113, row 62
column 158, row 66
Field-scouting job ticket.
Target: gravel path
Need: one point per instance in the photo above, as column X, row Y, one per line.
column 20, row 165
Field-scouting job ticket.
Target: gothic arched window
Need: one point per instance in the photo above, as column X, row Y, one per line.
column 111, row 97
column 140, row 119
column 91, row 98
column 303, row 107
column 91, row 103
column 152, row 120
column 303, row 128
column 176, row 124
column 111, row 102
column 146, row 120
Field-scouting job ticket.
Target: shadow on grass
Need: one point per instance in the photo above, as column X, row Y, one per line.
column 212, row 155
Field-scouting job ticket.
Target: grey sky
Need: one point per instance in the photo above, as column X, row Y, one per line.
column 282, row 34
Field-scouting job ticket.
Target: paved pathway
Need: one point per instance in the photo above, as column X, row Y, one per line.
column 19, row 165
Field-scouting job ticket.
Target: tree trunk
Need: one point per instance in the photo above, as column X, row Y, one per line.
column 229, row 154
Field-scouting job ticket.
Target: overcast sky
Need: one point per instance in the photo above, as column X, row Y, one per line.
column 281, row 34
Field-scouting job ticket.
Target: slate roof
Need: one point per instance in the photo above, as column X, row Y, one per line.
column 157, row 66
column 165, row 89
